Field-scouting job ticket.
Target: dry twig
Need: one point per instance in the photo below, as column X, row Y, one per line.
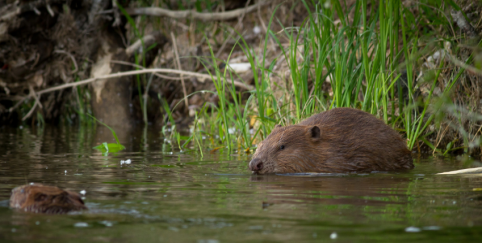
column 179, row 67
column 186, row 14
column 37, row 103
column 147, row 40
column 202, row 77
column 71, row 57
column 141, row 67
column 464, row 65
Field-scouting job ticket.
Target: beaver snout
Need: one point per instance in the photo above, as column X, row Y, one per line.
column 256, row 165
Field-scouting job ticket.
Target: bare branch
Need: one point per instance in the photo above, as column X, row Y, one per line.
column 37, row 103
column 148, row 40
column 49, row 9
column 186, row 14
column 37, row 98
column 135, row 72
column 179, row 67
column 9, row 11
column 464, row 65
column 463, row 171
column 71, row 57
column 141, row 67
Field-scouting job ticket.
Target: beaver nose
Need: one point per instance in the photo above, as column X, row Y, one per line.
column 256, row 164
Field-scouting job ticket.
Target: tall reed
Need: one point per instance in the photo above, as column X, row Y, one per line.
column 362, row 56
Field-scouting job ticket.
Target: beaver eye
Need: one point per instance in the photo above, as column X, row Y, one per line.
column 40, row 197
column 282, row 147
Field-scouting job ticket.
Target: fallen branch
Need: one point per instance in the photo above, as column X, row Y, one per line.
column 179, row 67
column 31, row 111
column 142, row 67
column 37, row 103
column 147, row 40
column 37, row 98
column 136, row 72
column 71, row 57
column 464, row 65
column 9, row 11
column 463, row 171
column 187, row 14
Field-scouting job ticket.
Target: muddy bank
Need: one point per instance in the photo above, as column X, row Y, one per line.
column 48, row 46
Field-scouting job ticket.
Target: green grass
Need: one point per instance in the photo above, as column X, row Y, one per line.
column 363, row 56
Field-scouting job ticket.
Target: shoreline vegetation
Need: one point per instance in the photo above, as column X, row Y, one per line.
column 231, row 70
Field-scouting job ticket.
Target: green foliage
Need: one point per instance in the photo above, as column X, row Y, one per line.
column 369, row 59
column 363, row 58
column 105, row 147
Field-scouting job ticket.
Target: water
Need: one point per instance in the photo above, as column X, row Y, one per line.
column 167, row 196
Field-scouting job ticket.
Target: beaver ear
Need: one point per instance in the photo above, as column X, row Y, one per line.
column 278, row 126
column 315, row 133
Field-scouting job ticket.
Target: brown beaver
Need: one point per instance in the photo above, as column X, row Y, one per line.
column 39, row 198
column 336, row 141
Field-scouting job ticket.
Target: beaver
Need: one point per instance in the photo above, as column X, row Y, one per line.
column 340, row 140
column 40, row 198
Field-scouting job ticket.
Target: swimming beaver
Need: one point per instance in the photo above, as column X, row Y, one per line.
column 39, row 198
column 336, row 141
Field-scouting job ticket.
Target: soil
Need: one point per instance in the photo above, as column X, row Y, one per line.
column 44, row 44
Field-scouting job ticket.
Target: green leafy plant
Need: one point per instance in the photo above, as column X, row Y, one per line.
column 105, row 147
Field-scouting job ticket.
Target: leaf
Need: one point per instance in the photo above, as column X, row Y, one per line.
column 214, row 150
column 109, row 147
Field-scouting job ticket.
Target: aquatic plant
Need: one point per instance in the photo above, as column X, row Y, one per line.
column 105, row 147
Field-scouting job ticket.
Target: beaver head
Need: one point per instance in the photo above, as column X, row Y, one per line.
column 288, row 149
column 39, row 198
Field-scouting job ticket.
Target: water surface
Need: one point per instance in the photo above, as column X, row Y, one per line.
column 165, row 195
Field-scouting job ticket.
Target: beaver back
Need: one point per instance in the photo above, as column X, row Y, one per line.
column 336, row 141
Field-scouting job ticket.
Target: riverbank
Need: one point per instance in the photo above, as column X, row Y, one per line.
column 233, row 73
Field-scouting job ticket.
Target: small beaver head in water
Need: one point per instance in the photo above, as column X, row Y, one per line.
column 39, row 198
column 290, row 149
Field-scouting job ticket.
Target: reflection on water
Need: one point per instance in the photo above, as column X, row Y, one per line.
column 168, row 196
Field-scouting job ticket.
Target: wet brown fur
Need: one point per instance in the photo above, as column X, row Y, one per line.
column 39, row 198
column 345, row 140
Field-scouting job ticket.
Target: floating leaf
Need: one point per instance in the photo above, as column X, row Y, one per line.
column 109, row 147
column 105, row 147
